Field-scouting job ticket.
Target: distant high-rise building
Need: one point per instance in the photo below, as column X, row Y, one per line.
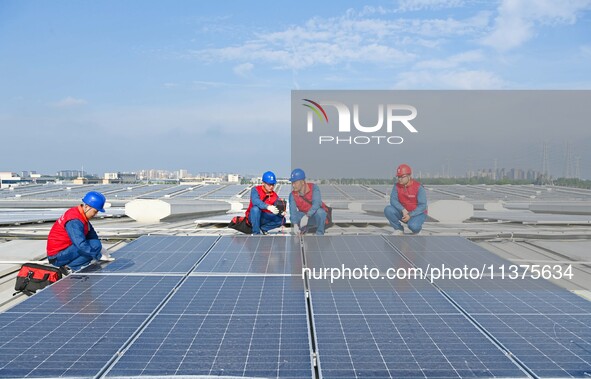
column 70, row 174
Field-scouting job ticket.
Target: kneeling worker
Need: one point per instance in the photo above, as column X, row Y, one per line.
column 72, row 240
column 262, row 212
column 306, row 209
column 408, row 202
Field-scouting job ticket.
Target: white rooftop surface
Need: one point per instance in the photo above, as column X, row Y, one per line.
column 15, row 216
column 528, row 217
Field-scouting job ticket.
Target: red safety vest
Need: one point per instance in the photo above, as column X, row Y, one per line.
column 408, row 195
column 302, row 204
column 267, row 198
column 58, row 238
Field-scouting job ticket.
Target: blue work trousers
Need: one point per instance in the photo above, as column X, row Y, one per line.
column 263, row 221
column 74, row 258
column 317, row 222
column 415, row 224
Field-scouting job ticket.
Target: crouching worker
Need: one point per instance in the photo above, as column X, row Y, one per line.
column 307, row 212
column 263, row 212
column 408, row 202
column 72, row 240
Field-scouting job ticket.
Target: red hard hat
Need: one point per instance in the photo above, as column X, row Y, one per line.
column 403, row 169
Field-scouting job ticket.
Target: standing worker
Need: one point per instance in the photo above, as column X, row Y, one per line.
column 72, row 241
column 306, row 209
column 262, row 212
column 408, row 202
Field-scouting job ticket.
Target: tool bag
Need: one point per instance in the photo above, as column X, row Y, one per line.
column 241, row 224
column 35, row 276
column 281, row 205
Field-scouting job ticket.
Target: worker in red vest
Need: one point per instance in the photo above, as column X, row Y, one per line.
column 72, row 240
column 262, row 211
column 408, row 202
column 307, row 212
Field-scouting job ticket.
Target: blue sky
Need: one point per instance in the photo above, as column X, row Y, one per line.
column 204, row 86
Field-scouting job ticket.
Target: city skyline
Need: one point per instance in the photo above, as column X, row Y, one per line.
column 516, row 173
column 207, row 87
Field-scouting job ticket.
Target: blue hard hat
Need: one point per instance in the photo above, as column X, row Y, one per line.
column 95, row 199
column 269, row 178
column 297, row 174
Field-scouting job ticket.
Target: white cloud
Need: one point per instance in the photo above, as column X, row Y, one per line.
column 438, row 28
column 69, row 102
column 416, row 5
column 452, row 61
column 350, row 38
column 517, row 20
column 451, row 79
column 244, row 70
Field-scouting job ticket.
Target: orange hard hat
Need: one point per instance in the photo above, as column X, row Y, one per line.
column 403, row 169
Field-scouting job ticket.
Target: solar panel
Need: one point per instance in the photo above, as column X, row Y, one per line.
column 74, row 327
column 243, row 312
column 100, row 294
column 553, row 346
column 230, row 326
column 409, row 331
column 226, row 192
column 449, row 251
column 61, row 344
column 544, row 326
column 244, row 254
column 391, row 328
column 351, row 251
column 151, row 254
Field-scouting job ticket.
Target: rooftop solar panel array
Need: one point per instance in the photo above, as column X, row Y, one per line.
column 38, row 192
column 73, row 328
column 332, row 193
column 392, row 328
column 237, row 306
column 357, row 192
column 78, row 192
column 544, row 326
column 283, row 191
column 226, row 192
column 11, row 192
column 167, row 191
column 242, row 254
column 385, row 189
column 158, row 254
column 196, row 192
column 133, row 192
column 232, row 326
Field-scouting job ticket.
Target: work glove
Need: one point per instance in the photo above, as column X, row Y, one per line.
column 304, row 221
column 273, row 209
column 105, row 256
